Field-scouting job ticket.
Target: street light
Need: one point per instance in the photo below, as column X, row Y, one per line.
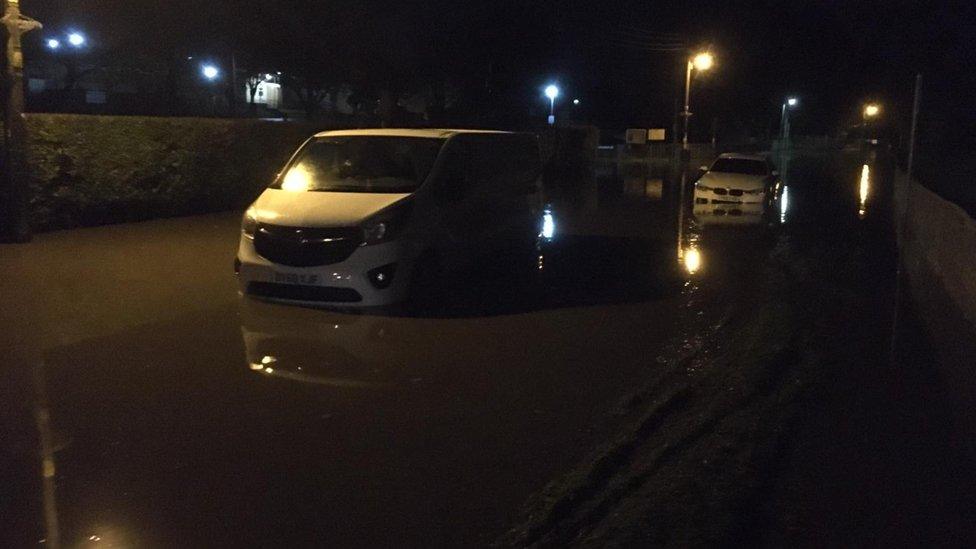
column 576, row 101
column 700, row 62
column 703, row 61
column 784, row 119
column 76, row 39
column 552, row 92
column 871, row 110
column 210, row 72
column 53, row 43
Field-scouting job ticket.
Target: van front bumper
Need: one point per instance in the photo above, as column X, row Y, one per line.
column 375, row 275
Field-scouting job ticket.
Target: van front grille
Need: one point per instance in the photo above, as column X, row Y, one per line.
column 305, row 246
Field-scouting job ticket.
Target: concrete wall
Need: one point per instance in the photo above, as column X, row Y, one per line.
column 938, row 255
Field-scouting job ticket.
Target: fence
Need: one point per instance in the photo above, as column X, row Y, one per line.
column 655, row 153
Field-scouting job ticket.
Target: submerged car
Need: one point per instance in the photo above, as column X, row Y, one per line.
column 736, row 185
column 360, row 217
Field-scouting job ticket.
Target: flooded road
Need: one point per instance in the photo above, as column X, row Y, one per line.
column 147, row 404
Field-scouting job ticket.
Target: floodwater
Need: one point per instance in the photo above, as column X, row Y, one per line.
column 147, row 404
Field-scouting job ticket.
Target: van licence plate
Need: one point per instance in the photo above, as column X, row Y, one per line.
column 296, row 278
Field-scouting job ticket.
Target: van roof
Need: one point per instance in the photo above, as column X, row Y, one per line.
column 405, row 132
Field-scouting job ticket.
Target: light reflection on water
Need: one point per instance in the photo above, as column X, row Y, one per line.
column 784, row 204
column 692, row 260
column 864, row 189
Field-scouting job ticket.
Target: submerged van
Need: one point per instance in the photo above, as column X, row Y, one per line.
column 362, row 217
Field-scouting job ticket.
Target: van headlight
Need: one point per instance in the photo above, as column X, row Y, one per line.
column 386, row 225
column 249, row 224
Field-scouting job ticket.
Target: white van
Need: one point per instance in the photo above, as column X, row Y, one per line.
column 357, row 217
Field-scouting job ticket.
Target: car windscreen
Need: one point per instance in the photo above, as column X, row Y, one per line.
column 739, row 165
column 367, row 164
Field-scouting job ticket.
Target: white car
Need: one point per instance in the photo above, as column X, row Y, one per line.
column 357, row 216
column 736, row 186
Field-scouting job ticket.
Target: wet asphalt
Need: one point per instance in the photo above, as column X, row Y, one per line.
column 145, row 403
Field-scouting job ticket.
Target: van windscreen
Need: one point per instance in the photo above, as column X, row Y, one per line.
column 366, row 164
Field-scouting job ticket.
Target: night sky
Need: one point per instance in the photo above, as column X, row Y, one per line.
column 615, row 56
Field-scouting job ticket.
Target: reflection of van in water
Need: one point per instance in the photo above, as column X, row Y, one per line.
column 355, row 351
column 358, row 216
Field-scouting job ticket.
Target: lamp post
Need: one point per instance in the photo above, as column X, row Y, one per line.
column 701, row 62
column 871, row 113
column 211, row 73
column 66, row 47
column 784, row 119
column 552, row 92
column 14, row 195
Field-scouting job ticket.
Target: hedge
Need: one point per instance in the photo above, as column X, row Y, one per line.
column 93, row 170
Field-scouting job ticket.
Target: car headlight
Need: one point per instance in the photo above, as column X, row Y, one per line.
column 249, row 224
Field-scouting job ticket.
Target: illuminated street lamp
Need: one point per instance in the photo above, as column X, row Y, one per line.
column 700, row 62
column 210, row 72
column 76, row 39
column 784, row 119
column 552, row 92
column 871, row 110
column 703, row 61
column 53, row 43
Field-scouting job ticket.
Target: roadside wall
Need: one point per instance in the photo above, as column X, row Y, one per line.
column 93, row 170
column 938, row 255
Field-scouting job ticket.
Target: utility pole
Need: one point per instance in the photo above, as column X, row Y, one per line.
column 687, row 112
column 233, row 84
column 14, row 226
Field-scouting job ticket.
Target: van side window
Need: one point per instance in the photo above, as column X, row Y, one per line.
column 482, row 162
column 455, row 181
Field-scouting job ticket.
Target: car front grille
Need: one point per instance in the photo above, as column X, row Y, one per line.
column 304, row 246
